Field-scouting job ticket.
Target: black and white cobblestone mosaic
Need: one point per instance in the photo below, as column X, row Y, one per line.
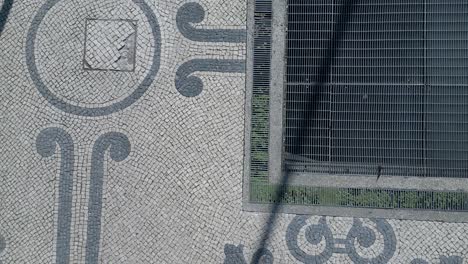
column 106, row 33
column 121, row 131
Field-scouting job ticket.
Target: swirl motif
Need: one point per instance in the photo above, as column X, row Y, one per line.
column 191, row 86
column 119, row 149
column 77, row 109
column 314, row 235
column 194, row 13
column 366, row 238
column 46, row 144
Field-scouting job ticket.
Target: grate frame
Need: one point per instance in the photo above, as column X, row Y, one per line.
column 259, row 187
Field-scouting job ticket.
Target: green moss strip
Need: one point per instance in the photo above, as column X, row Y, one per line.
column 261, row 192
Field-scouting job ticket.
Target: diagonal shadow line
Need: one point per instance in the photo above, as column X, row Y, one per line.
column 345, row 12
column 4, row 13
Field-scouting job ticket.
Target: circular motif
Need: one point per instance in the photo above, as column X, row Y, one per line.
column 90, row 62
column 314, row 234
column 366, row 238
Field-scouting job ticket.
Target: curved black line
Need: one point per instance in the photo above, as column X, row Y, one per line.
column 191, row 86
column 194, row 13
column 322, row 231
column 5, row 13
column 46, row 144
column 358, row 230
column 119, row 149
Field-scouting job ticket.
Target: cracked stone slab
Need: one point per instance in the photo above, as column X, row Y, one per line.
column 110, row 44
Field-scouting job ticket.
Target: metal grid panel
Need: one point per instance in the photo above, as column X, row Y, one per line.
column 378, row 86
column 261, row 90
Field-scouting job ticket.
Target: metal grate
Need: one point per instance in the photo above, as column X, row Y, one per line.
column 377, row 86
column 362, row 198
column 259, row 138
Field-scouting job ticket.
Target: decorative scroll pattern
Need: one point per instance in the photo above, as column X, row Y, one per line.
column 119, row 149
column 194, row 13
column 46, row 144
column 359, row 235
column 116, row 144
column 364, row 236
column 191, row 86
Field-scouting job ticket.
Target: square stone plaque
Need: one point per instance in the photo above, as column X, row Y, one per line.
column 110, row 45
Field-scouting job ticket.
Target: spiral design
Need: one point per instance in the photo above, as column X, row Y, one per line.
column 191, row 86
column 314, row 235
column 366, row 238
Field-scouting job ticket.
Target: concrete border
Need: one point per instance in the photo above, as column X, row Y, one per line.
column 277, row 91
column 397, row 214
column 248, row 100
column 385, row 182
